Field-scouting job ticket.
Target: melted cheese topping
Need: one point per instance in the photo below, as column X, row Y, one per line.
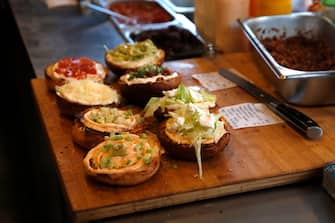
column 179, row 138
column 98, row 77
column 125, row 78
column 87, row 92
column 120, row 124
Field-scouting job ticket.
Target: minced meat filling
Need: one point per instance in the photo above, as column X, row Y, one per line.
column 301, row 53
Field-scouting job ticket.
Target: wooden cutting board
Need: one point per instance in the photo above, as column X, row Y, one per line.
column 256, row 158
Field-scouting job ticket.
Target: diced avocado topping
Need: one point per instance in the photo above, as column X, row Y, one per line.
column 118, row 150
column 106, row 147
column 133, row 51
column 149, row 150
column 114, row 149
column 106, row 162
column 128, row 113
column 139, row 147
column 129, row 139
column 129, row 161
column 117, row 137
column 107, row 115
column 147, row 159
column 104, row 115
column 143, row 136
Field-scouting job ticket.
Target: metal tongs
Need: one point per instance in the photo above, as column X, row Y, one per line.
column 98, row 8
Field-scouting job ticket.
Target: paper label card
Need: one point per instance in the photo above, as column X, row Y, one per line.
column 60, row 3
column 213, row 81
column 249, row 115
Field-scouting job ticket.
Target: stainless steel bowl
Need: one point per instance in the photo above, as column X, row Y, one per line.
column 308, row 88
column 178, row 20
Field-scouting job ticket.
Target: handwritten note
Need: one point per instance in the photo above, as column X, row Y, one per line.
column 249, row 115
column 60, row 3
column 213, row 81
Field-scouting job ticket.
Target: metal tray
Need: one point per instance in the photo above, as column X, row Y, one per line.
column 162, row 4
column 184, row 6
column 179, row 20
column 298, row 87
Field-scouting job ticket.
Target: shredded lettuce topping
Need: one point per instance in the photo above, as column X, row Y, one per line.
column 196, row 125
column 180, row 96
column 190, row 119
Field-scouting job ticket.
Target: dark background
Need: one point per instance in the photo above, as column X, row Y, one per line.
column 29, row 190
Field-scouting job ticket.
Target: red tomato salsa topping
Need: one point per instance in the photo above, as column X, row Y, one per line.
column 76, row 67
column 143, row 12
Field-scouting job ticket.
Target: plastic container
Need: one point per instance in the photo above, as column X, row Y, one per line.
column 216, row 22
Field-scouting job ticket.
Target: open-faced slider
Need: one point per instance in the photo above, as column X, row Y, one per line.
column 124, row 159
column 179, row 97
column 76, row 96
column 131, row 56
column 149, row 81
column 68, row 69
column 94, row 124
column 193, row 133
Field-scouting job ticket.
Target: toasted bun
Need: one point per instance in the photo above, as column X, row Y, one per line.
column 132, row 174
column 87, row 133
column 53, row 79
column 122, row 67
column 187, row 151
column 85, row 137
column 140, row 93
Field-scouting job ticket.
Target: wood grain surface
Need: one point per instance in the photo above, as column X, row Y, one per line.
column 255, row 158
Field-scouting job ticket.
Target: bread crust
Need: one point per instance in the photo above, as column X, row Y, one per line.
column 71, row 109
column 139, row 94
column 52, row 80
column 187, row 151
column 87, row 137
column 125, row 176
column 120, row 68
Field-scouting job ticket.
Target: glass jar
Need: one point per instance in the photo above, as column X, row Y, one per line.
column 216, row 21
column 269, row 7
